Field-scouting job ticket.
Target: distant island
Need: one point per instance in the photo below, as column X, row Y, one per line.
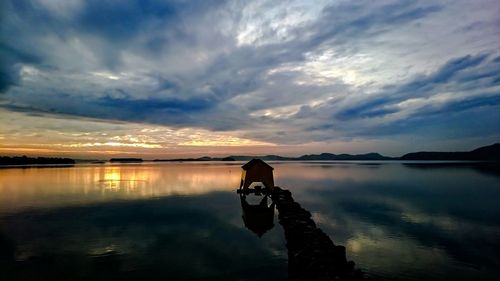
column 24, row 160
column 485, row 153
column 126, row 160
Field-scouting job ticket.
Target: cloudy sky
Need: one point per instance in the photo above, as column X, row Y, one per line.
column 155, row 78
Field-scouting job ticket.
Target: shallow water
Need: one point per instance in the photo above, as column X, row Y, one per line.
column 183, row 221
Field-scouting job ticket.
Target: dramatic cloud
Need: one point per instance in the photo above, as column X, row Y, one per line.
column 273, row 73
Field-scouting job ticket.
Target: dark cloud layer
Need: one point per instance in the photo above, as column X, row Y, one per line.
column 280, row 72
column 462, row 74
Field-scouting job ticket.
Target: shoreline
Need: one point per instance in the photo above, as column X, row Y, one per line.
column 358, row 162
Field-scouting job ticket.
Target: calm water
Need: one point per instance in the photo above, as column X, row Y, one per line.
column 183, row 221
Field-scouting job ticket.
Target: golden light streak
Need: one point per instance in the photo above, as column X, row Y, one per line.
column 118, row 144
column 25, row 149
column 38, row 136
column 197, row 140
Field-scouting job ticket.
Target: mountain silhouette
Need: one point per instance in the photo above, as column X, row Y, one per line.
column 490, row 152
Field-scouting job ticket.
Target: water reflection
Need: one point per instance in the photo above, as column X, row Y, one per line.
column 259, row 218
column 111, row 180
column 174, row 238
column 398, row 222
column 38, row 187
column 487, row 168
column 312, row 255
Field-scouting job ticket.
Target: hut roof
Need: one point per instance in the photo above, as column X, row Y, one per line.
column 254, row 161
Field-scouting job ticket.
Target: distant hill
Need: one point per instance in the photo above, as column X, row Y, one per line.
column 263, row 157
column 485, row 153
column 228, row 159
column 126, row 160
column 330, row 156
column 490, row 152
column 309, row 157
column 205, row 158
column 24, row 160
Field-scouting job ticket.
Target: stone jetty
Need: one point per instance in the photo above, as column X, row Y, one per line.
column 311, row 253
column 312, row 256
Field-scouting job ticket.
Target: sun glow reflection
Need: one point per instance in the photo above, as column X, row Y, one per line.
column 112, row 177
column 121, row 179
column 26, row 188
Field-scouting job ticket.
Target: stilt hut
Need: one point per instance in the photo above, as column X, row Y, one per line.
column 257, row 170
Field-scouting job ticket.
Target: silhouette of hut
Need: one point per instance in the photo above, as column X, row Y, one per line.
column 258, row 218
column 257, row 170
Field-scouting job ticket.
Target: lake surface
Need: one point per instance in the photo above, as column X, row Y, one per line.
column 183, row 221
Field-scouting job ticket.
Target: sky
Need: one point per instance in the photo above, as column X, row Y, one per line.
column 166, row 79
